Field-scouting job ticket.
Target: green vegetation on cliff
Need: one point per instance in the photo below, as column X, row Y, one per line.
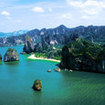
column 49, row 53
column 83, row 55
column 80, row 46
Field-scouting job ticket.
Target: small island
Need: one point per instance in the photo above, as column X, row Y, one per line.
column 37, row 85
column 11, row 55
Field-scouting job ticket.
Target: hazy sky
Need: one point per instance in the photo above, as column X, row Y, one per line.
column 30, row 14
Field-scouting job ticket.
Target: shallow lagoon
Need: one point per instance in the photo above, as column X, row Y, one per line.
column 59, row 88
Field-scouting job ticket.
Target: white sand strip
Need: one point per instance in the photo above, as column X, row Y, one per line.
column 41, row 58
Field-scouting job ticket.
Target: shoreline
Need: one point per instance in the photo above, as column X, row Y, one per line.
column 41, row 58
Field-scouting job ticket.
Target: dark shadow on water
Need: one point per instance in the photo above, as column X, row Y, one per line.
column 12, row 63
column 37, row 96
column 35, row 92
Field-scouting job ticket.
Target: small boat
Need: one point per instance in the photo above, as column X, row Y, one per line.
column 57, row 70
column 49, row 70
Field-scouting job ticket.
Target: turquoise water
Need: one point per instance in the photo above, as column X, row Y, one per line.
column 59, row 88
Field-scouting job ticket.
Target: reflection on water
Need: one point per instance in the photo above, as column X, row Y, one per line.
column 0, row 62
column 12, row 63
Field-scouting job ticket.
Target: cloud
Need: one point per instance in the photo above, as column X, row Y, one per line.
column 91, row 11
column 38, row 9
column 5, row 13
column 74, row 3
column 90, row 7
column 83, row 4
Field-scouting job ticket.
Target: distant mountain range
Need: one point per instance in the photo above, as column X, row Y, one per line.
column 15, row 33
column 58, row 36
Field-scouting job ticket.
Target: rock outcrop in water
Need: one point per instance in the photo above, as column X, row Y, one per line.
column 28, row 47
column 82, row 55
column 37, row 85
column 0, row 57
column 11, row 55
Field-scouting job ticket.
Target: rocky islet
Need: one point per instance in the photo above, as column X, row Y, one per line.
column 11, row 55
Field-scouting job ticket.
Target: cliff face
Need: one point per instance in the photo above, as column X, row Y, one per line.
column 11, row 55
column 60, row 35
column 28, row 47
column 83, row 56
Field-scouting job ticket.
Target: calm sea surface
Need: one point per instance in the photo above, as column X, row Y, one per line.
column 59, row 88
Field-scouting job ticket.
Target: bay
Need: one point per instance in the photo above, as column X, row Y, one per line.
column 58, row 88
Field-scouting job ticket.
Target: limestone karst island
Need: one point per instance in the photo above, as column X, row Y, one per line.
column 52, row 52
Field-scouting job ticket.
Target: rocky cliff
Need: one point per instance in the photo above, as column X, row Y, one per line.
column 11, row 55
column 58, row 36
column 29, row 46
column 82, row 55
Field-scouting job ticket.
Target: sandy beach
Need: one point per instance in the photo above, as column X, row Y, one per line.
column 41, row 58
